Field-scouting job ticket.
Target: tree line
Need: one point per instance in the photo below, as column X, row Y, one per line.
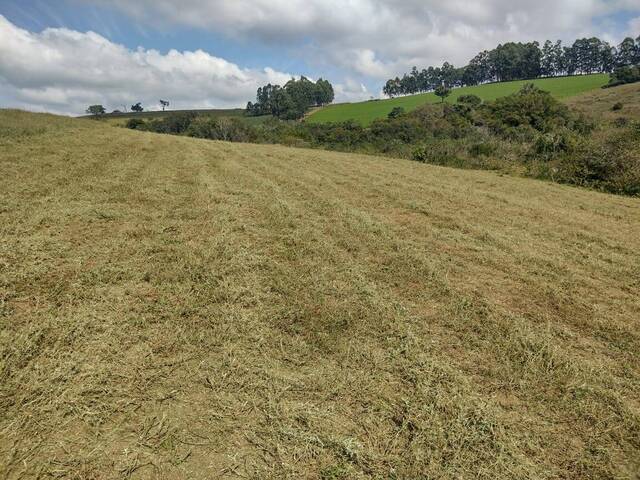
column 291, row 101
column 521, row 61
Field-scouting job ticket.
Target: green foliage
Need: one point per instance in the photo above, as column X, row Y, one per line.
column 611, row 164
column 293, row 100
column 96, row 110
column 442, row 91
column 623, row 75
column 470, row 99
column 175, row 123
column 549, row 145
column 396, row 112
column 520, row 61
column 482, row 149
column 521, row 115
column 135, row 124
column 366, row 112
column 137, row 107
column 227, row 129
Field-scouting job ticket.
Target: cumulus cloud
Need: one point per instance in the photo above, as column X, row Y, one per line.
column 377, row 38
column 63, row 71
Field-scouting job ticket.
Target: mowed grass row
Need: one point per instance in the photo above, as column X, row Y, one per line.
column 178, row 308
column 366, row 112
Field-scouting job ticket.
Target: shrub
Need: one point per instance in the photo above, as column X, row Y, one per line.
column 135, row 123
column 611, row 164
column 227, row 129
column 482, row 149
column 175, row 123
column 396, row 112
column 617, row 106
column 622, row 75
column 549, row 145
column 470, row 99
column 439, row 152
column 520, row 115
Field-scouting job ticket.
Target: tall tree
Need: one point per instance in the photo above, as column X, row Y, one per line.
column 626, row 52
column 96, row 110
column 442, row 91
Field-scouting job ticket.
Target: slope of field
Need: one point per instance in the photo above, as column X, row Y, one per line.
column 367, row 112
column 178, row 308
column 599, row 103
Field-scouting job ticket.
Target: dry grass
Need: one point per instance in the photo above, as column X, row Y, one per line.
column 599, row 103
column 174, row 308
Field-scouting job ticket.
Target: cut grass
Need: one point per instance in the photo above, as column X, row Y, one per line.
column 366, row 112
column 180, row 308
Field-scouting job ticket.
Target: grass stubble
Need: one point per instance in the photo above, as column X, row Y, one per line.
column 180, row 308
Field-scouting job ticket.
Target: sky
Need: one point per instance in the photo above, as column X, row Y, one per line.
column 61, row 56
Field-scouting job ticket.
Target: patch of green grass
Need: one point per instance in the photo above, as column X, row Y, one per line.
column 366, row 112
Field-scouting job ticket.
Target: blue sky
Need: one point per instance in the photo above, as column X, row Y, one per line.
column 356, row 44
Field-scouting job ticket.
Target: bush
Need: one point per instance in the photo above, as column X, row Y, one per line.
column 470, row 99
column 611, row 164
column 617, row 106
column 175, row 123
column 227, row 129
column 482, row 149
column 396, row 112
column 523, row 114
column 550, row 145
column 135, row 124
column 622, row 75
column 439, row 152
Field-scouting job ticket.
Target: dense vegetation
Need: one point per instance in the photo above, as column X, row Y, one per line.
column 529, row 132
column 624, row 75
column 520, row 61
column 291, row 101
column 366, row 112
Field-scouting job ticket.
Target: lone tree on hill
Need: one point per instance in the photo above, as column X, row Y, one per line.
column 442, row 91
column 96, row 110
column 137, row 107
column 164, row 104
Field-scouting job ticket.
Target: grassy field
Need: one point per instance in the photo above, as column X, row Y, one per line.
column 177, row 308
column 367, row 112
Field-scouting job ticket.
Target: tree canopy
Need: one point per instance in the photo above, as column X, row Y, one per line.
column 521, row 61
column 96, row 110
column 293, row 100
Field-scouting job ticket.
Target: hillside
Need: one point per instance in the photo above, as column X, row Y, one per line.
column 181, row 308
column 366, row 112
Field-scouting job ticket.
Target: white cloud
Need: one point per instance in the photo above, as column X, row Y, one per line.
column 351, row 91
column 63, row 71
column 376, row 38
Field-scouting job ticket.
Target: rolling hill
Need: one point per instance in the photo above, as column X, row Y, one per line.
column 366, row 112
column 181, row 308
